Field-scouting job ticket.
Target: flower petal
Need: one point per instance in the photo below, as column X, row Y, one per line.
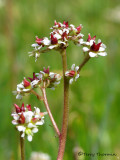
column 51, row 74
column 30, row 125
column 23, row 134
column 28, row 116
column 53, row 46
column 40, row 122
column 34, row 82
column 57, row 36
column 19, row 96
column 29, row 137
column 21, row 128
column 73, row 67
column 46, row 41
column 102, row 53
column 101, row 49
column 92, row 54
column 85, row 49
column 71, row 80
column 14, row 122
column 76, row 68
column 77, row 77
column 35, row 130
column 35, row 45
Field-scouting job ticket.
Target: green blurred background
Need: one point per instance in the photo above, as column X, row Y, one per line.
column 94, row 119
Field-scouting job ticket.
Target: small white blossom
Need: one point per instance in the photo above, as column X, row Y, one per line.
column 72, row 74
column 92, row 48
column 46, row 41
column 52, row 78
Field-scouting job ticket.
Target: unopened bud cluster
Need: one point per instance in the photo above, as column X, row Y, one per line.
column 27, row 121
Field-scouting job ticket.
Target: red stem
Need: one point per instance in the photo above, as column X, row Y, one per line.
column 62, row 140
column 22, row 146
column 84, row 62
column 49, row 112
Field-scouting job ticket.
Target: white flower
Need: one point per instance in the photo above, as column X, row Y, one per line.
column 92, row 48
column 28, row 116
column 72, row 74
column 22, row 88
column 34, row 83
column 95, row 49
column 51, row 77
column 25, row 86
column 58, row 36
column 46, row 41
column 73, row 27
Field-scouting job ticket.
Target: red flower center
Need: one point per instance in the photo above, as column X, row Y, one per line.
column 53, row 39
column 89, row 38
column 21, row 119
column 79, row 29
column 29, row 107
column 95, row 47
column 26, row 83
column 39, row 41
column 71, row 73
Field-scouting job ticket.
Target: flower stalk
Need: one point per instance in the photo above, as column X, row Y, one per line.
column 86, row 59
column 22, row 147
column 62, row 140
column 49, row 111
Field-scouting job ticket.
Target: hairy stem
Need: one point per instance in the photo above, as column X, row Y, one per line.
column 22, row 146
column 84, row 62
column 62, row 140
column 49, row 112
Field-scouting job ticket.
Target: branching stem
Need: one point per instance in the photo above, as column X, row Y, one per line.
column 86, row 59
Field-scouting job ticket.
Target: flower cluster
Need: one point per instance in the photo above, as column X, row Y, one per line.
column 61, row 34
column 51, row 79
column 27, row 121
column 59, row 37
column 25, row 87
column 94, row 49
column 72, row 74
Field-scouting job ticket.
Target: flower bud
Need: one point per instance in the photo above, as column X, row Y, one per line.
column 22, row 108
column 21, row 119
column 26, row 83
column 17, row 108
column 29, row 107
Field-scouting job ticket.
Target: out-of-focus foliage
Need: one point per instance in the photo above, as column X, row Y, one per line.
column 94, row 121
